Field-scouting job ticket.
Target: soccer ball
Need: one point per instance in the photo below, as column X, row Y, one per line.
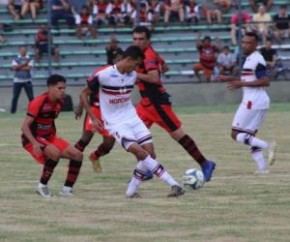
column 193, row 179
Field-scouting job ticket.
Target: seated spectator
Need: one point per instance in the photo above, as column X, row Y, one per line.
column 114, row 13
column 14, row 8
column 211, row 12
column 84, row 23
column 262, row 22
column 282, row 24
column 245, row 25
column 173, row 8
column 31, row 6
column 61, row 9
column 127, row 9
column 256, row 3
column 2, row 39
column 224, row 5
column 145, row 16
column 270, row 56
column 155, row 9
column 113, row 50
column 192, row 12
column 207, row 58
column 41, row 45
column 99, row 11
column 226, row 62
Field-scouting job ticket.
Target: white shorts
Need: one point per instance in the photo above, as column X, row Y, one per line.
column 248, row 120
column 131, row 132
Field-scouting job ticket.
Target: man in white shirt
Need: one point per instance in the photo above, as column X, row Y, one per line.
column 255, row 103
column 115, row 84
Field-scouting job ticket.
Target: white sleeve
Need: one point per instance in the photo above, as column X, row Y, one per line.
column 78, row 19
column 109, row 8
column 14, row 63
column 90, row 20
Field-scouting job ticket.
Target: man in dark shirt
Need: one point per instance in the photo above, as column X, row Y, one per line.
column 282, row 24
column 113, row 50
column 270, row 56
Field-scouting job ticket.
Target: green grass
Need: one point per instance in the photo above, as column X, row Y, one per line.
column 236, row 206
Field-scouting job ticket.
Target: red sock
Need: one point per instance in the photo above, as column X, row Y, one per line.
column 73, row 172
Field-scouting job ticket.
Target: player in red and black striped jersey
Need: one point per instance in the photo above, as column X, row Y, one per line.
column 88, row 129
column 155, row 105
column 39, row 137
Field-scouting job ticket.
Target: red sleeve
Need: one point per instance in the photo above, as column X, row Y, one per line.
column 35, row 105
column 151, row 61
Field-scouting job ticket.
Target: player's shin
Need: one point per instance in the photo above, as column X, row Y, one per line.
column 73, row 172
column 47, row 171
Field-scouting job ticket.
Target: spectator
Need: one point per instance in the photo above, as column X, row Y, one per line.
column 114, row 13
column 99, row 12
column 282, row 24
column 270, row 56
column 245, row 25
column 225, row 5
column 192, row 12
column 207, row 58
column 173, row 8
column 155, row 9
column 113, row 50
column 2, row 39
column 262, row 21
column 21, row 66
column 145, row 16
column 41, row 44
column 61, row 9
column 84, row 23
column 256, row 3
column 211, row 12
column 14, row 8
column 226, row 62
column 127, row 9
column 31, row 5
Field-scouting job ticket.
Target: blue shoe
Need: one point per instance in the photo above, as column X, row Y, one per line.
column 207, row 169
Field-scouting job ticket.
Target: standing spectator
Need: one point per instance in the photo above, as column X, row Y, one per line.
column 226, row 62
column 207, row 58
column 99, row 11
column 192, row 12
column 14, row 8
column 211, row 12
column 113, row 50
column 31, row 5
column 41, row 45
column 173, row 8
column 61, row 9
column 262, row 22
column 270, row 56
column 256, row 3
column 235, row 25
column 21, row 66
column 282, row 24
column 84, row 23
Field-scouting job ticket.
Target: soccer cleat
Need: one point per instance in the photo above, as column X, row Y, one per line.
column 207, row 169
column 176, row 191
column 261, row 172
column 43, row 191
column 66, row 192
column 135, row 195
column 96, row 163
column 272, row 153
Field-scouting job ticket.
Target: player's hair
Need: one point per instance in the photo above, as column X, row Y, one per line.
column 253, row 35
column 142, row 29
column 54, row 79
column 134, row 52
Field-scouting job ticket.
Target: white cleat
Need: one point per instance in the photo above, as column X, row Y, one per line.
column 272, row 153
column 66, row 192
column 43, row 191
column 261, row 172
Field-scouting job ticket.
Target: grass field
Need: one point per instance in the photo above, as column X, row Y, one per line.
column 236, row 206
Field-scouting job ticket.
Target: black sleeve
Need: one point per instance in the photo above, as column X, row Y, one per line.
column 93, row 83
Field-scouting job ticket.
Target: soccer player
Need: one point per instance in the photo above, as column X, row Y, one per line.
column 255, row 103
column 39, row 137
column 115, row 85
column 155, row 106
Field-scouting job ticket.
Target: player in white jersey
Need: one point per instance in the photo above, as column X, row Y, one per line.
column 255, row 103
column 115, row 85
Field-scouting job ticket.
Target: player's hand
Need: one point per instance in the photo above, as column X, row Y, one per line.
column 37, row 149
column 223, row 78
column 97, row 125
column 234, row 84
column 78, row 112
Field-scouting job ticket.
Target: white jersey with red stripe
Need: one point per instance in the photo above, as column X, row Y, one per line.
column 254, row 68
column 115, row 95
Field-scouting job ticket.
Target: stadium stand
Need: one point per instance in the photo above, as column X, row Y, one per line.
column 79, row 57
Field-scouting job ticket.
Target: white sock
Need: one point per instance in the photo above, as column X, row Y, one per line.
column 135, row 183
column 159, row 170
column 40, row 185
column 260, row 161
column 251, row 140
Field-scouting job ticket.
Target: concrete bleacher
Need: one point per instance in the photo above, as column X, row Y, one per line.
column 176, row 43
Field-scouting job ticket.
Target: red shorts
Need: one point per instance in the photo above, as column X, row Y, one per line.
column 59, row 143
column 162, row 114
column 88, row 125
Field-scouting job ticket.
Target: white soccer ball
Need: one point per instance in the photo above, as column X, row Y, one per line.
column 193, row 179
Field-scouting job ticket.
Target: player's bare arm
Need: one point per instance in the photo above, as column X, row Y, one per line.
column 27, row 132
column 261, row 82
column 79, row 110
column 84, row 99
column 151, row 77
